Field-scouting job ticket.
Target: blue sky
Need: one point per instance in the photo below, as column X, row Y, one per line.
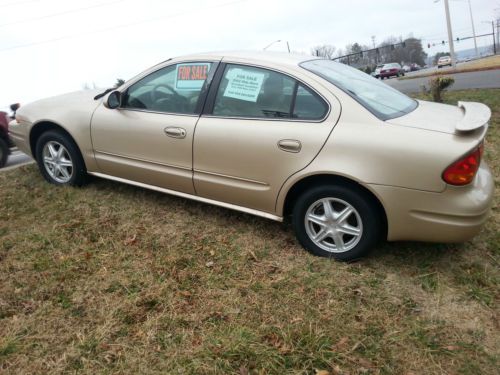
column 49, row 47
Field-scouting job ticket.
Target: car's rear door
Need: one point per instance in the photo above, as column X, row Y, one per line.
column 149, row 138
column 259, row 127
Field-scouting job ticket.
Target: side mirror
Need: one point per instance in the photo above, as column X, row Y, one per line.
column 114, row 100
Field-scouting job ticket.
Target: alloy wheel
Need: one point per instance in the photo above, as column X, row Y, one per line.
column 333, row 225
column 57, row 162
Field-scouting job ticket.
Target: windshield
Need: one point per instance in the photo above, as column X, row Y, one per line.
column 380, row 99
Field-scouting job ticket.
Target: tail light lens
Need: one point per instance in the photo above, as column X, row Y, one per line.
column 463, row 171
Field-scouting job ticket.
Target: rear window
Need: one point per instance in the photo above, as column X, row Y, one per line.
column 380, row 99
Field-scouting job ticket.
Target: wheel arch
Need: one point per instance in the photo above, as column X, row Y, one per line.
column 43, row 126
column 46, row 125
column 303, row 184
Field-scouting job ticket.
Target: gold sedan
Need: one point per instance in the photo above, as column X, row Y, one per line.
column 348, row 158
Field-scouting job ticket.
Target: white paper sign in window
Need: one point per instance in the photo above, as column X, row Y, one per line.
column 243, row 84
column 191, row 76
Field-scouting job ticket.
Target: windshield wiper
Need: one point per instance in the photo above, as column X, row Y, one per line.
column 103, row 93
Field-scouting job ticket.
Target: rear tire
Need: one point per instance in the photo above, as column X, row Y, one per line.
column 4, row 152
column 340, row 222
column 60, row 160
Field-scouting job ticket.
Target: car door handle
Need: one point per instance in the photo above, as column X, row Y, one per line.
column 175, row 132
column 290, row 145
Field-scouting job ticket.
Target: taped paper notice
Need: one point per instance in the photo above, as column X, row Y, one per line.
column 191, row 76
column 243, row 84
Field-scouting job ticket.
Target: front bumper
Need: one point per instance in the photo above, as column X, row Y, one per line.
column 455, row 215
column 18, row 137
column 389, row 74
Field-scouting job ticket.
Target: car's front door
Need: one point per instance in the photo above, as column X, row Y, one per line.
column 149, row 138
column 262, row 127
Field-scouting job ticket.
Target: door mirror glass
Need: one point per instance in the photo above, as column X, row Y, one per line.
column 114, row 100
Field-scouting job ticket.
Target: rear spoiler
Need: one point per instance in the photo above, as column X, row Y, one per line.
column 476, row 115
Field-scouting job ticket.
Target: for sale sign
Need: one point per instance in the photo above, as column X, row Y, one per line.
column 191, row 76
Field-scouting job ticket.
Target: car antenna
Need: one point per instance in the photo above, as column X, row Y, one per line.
column 99, row 96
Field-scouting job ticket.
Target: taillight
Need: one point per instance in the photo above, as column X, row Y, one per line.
column 463, row 171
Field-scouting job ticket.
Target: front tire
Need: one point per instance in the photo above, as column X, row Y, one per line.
column 59, row 159
column 340, row 222
column 4, row 152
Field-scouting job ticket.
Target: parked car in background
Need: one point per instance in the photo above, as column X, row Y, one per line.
column 5, row 141
column 444, row 61
column 277, row 135
column 391, row 70
column 376, row 72
column 406, row 68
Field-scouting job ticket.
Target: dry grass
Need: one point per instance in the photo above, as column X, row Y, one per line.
column 490, row 62
column 115, row 279
column 486, row 63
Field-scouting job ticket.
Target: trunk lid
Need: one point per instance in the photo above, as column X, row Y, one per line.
column 464, row 118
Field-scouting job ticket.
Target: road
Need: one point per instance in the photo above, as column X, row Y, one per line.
column 474, row 80
column 16, row 159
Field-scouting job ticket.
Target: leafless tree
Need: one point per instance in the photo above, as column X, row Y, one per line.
column 325, row 50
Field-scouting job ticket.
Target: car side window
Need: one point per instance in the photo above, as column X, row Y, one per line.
column 254, row 92
column 308, row 105
column 173, row 89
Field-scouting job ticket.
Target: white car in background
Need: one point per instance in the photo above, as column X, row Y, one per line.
column 444, row 61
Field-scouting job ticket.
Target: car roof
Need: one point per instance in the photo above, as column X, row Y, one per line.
column 284, row 58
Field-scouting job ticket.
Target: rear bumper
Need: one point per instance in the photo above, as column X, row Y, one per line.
column 455, row 215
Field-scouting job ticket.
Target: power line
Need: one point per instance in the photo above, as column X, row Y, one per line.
column 120, row 26
column 60, row 13
column 426, row 37
column 18, row 3
column 443, row 38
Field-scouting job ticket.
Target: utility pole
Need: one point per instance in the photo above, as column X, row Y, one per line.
column 473, row 29
column 450, row 34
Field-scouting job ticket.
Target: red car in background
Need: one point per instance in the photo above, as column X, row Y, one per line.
column 391, row 70
column 5, row 142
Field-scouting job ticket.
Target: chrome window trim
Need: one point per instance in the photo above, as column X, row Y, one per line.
column 157, row 112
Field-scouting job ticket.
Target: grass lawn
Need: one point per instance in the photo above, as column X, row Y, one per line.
column 115, row 279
